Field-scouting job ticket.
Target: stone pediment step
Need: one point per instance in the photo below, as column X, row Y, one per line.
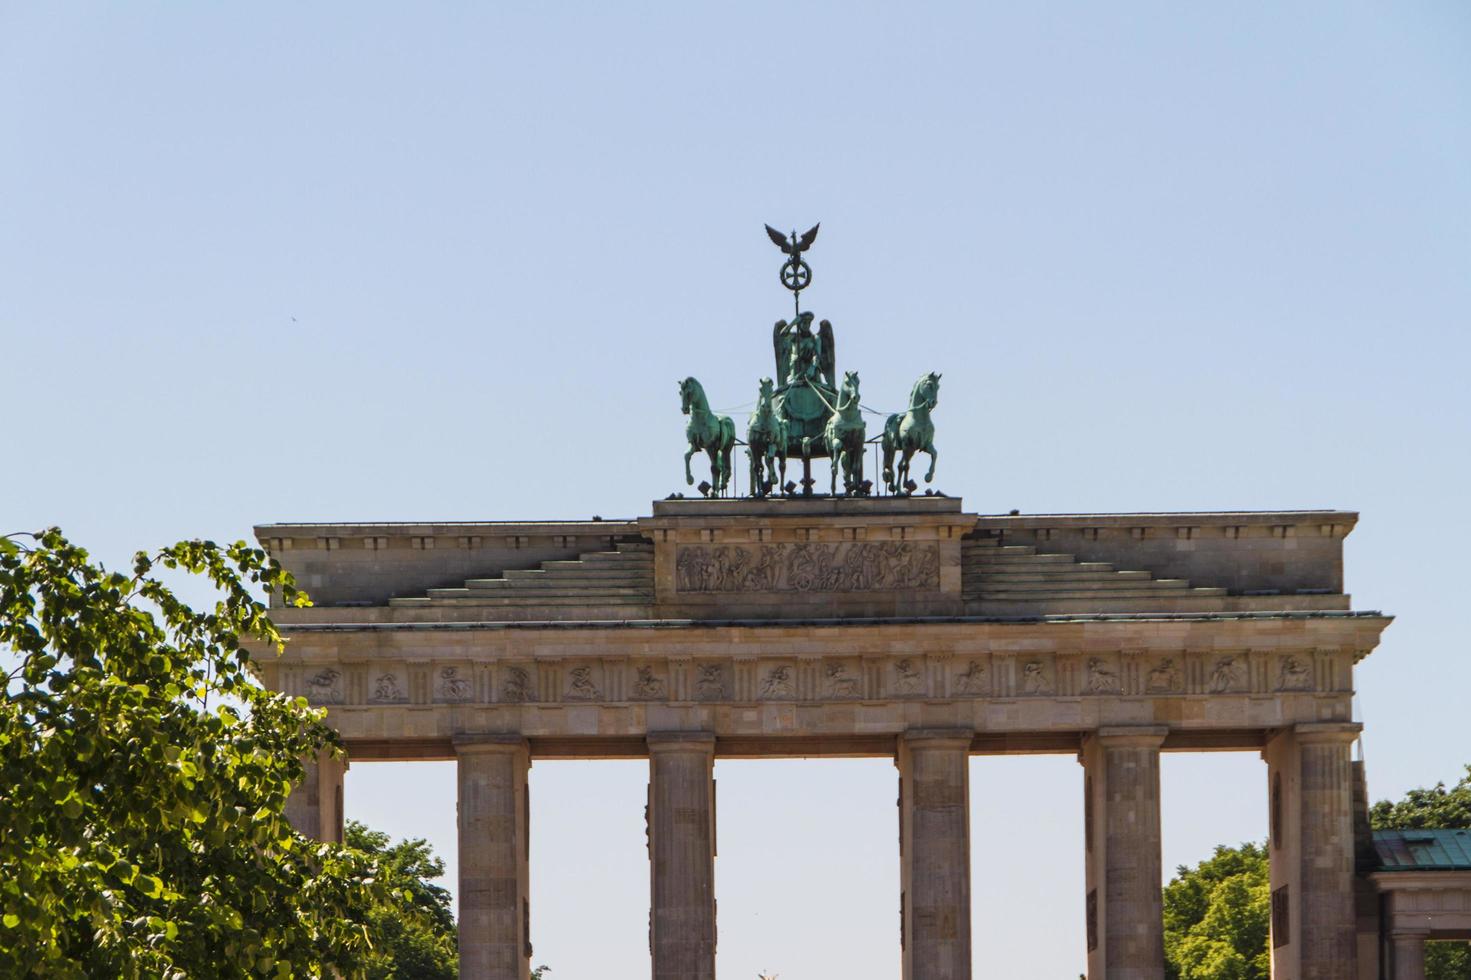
column 536, row 595
column 623, row 576
column 557, row 580
column 523, row 602
column 991, row 548
column 527, row 587
column 1068, row 573
column 1069, row 585
column 591, row 564
column 991, row 561
column 1018, row 573
column 1005, row 595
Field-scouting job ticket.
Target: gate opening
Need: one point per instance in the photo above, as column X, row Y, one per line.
column 1027, row 873
column 590, row 868
column 807, row 868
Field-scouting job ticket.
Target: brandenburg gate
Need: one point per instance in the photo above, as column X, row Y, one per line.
column 897, row 627
column 853, row 623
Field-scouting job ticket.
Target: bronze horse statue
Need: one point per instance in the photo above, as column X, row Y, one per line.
column 912, row 432
column 844, row 436
column 714, row 434
column 766, row 443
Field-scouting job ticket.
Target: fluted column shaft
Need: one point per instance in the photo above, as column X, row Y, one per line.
column 314, row 808
column 1310, row 786
column 682, row 855
column 495, row 905
column 1125, row 928
column 934, row 846
column 1409, row 955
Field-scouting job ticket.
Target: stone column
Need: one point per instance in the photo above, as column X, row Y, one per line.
column 1310, row 795
column 495, row 907
column 682, row 855
column 934, row 853
column 1125, row 925
column 314, row 808
column 1409, row 955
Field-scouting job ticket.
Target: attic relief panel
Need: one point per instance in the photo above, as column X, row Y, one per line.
column 810, row 567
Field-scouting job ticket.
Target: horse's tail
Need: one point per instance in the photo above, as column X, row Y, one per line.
column 890, row 443
column 727, row 432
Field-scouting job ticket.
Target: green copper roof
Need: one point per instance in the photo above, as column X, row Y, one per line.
column 1423, row 850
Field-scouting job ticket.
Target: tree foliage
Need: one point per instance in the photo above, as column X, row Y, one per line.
column 144, row 775
column 1216, row 917
column 1438, row 807
column 416, row 941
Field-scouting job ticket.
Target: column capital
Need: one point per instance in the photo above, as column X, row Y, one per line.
column 1327, row 731
column 938, row 738
column 701, row 742
column 493, row 742
column 1130, row 736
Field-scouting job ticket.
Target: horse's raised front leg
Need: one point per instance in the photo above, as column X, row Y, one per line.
column 928, row 477
column 689, row 478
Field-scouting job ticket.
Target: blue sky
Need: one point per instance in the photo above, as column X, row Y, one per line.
column 370, row 261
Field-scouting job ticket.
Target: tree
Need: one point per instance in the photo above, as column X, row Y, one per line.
column 1436, row 808
column 144, row 775
column 416, row 940
column 1441, row 808
column 1216, row 917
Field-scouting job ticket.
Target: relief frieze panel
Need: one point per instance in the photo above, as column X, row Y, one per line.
column 804, row 678
column 856, row 566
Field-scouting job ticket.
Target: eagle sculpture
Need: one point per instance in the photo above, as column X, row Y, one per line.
column 794, row 246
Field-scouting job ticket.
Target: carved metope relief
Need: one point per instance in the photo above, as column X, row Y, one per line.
column 516, row 685
column 1164, row 677
column 1035, row 679
column 387, row 690
column 710, row 684
column 452, row 687
column 647, row 685
column 776, row 683
column 908, row 678
column 581, row 686
column 840, row 681
column 1226, row 676
column 325, row 687
column 972, row 681
column 1102, row 677
column 1294, row 674
column 808, row 567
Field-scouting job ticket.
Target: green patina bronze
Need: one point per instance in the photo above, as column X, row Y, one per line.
column 912, row 432
column 714, row 434
column 802, row 413
column 845, row 438
column 766, row 443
